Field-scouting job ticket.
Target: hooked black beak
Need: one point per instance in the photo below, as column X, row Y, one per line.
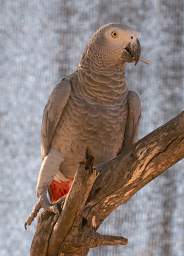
column 134, row 49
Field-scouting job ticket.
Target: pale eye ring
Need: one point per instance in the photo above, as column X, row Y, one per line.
column 114, row 34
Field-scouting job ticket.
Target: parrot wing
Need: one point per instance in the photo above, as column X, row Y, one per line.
column 53, row 112
column 134, row 114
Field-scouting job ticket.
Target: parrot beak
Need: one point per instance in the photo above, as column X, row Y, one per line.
column 134, row 50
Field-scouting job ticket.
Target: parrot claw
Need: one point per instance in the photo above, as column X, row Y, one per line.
column 42, row 203
column 33, row 214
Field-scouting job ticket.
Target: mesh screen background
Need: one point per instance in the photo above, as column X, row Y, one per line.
column 40, row 42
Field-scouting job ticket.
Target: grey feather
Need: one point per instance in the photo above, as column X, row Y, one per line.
column 52, row 114
column 134, row 114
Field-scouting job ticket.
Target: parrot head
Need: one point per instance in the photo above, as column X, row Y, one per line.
column 116, row 43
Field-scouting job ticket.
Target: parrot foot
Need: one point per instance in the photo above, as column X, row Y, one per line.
column 33, row 214
column 46, row 205
column 51, row 199
column 42, row 203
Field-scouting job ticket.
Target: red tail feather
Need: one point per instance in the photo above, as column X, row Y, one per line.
column 59, row 189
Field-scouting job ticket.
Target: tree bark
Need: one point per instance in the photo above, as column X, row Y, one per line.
column 95, row 193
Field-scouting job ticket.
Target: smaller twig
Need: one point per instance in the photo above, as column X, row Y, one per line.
column 89, row 238
column 144, row 60
column 109, row 240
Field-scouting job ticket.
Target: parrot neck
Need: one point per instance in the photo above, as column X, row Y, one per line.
column 102, row 83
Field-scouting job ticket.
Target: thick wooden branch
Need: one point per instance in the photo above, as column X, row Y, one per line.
column 122, row 177
column 87, row 205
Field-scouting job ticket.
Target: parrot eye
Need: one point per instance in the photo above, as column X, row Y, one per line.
column 114, row 34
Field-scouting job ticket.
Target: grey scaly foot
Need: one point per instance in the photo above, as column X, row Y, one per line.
column 42, row 203
column 46, row 204
column 33, row 214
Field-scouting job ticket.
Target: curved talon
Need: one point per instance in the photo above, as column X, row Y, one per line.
column 33, row 214
column 28, row 222
column 25, row 225
column 51, row 208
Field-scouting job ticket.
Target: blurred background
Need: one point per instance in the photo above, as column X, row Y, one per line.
column 40, row 42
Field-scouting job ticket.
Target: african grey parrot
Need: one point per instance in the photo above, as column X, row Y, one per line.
column 91, row 108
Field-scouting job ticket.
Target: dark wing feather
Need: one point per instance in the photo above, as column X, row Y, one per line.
column 132, row 123
column 52, row 114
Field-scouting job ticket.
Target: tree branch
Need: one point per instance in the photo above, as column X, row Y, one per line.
column 87, row 205
column 71, row 215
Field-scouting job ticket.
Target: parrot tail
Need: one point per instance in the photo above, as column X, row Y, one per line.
column 59, row 189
